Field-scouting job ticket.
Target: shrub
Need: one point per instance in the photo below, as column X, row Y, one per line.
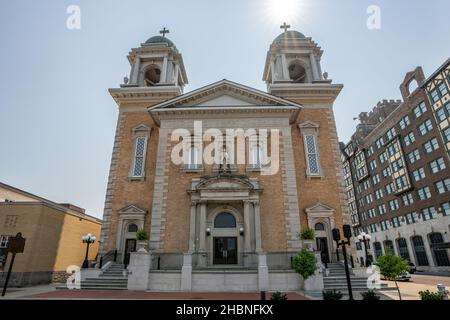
column 332, row 295
column 370, row 295
column 428, row 295
column 141, row 235
column 278, row 296
column 305, row 263
column 307, row 234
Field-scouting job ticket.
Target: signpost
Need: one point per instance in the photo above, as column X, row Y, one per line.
column 15, row 245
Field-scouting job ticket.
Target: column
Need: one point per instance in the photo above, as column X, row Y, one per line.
column 284, row 67
column 164, row 71
column 319, row 68
column 257, row 227
column 314, row 66
column 247, row 233
column 192, row 226
column 202, row 229
column 136, row 67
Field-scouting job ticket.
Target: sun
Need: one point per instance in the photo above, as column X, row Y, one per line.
column 283, row 10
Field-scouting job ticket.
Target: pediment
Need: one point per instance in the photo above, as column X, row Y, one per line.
column 132, row 209
column 224, row 183
column 319, row 208
column 224, row 93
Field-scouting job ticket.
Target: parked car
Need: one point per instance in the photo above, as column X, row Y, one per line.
column 412, row 268
column 404, row 277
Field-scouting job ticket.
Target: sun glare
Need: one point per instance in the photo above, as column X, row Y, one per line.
column 283, row 10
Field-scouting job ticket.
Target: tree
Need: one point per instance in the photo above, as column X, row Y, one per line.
column 305, row 263
column 392, row 266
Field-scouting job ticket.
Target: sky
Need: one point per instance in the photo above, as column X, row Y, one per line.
column 57, row 119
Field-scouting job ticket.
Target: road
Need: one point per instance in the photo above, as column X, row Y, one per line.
column 419, row 282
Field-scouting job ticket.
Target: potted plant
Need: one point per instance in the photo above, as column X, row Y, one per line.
column 307, row 237
column 142, row 239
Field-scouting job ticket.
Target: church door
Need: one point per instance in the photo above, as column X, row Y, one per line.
column 225, row 250
column 130, row 246
column 322, row 246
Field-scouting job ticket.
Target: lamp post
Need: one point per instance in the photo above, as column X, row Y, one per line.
column 88, row 239
column 364, row 237
column 337, row 237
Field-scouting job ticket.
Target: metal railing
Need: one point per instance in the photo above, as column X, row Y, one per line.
column 110, row 256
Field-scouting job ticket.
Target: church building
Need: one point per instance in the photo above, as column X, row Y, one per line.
column 225, row 177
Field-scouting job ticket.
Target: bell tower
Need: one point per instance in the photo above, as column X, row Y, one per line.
column 157, row 72
column 293, row 64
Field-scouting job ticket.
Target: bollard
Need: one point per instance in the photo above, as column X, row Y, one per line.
column 263, row 295
column 441, row 289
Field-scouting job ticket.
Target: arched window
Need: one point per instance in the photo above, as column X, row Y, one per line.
column 412, row 86
column 378, row 249
column 402, row 246
column 388, row 246
column 225, row 220
column 440, row 254
column 132, row 228
column 319, row 227
column 152, row 76
column 297, row 72
column 419, row 249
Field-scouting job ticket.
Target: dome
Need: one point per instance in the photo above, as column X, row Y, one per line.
column 160, row 39
column 289, row 35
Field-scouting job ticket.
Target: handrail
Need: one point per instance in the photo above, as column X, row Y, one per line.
column 107, row 257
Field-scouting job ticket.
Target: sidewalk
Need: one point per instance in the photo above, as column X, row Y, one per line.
column 20, row 293
column 49, row 292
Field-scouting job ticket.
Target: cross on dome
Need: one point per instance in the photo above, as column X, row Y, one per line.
column 164, row 31
column 285, row 26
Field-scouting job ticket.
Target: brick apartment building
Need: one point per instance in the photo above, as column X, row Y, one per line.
column 397, row 173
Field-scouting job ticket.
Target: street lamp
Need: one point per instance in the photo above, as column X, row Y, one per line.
column 364, row 237
column 337, row 237
column 88, row 239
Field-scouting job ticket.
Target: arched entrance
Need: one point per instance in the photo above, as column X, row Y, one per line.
column 225, row 240
column 402, row 246
column 440, row 254
column 322, row 242
column 419, row 251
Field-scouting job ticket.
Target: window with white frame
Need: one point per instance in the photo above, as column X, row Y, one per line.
column 429, row 213
column 140, row 134
column 437, row 165
column 139, row 153
column 407, row 199
column 410, row 218
column 4, row 241
column 420, row 109
column 425, row 127
column 413, row 156
column 443, row 186
column 312, row 154
column 193, row 162
column 424, row 193
column 431, row 145
column 404, row 122
column 409, row 139
column 256, row 156
column 381, row 209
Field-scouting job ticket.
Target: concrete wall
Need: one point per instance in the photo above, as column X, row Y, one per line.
column 229, row 281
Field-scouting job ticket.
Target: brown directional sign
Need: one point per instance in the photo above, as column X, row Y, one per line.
column 16, row 244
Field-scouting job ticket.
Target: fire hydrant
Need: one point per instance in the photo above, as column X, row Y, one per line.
column 441, row 289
